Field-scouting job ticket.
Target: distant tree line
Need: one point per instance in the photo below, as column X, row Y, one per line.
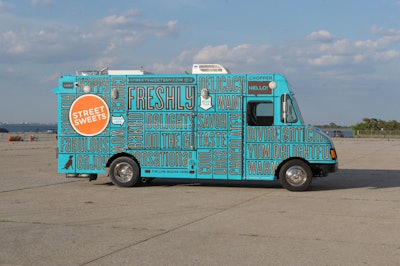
column 376, row 124
column 332, row 126
column 366, row 124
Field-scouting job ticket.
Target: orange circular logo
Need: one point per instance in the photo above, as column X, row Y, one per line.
column 89, row 115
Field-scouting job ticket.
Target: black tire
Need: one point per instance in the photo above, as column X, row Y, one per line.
column 295, row 175
column 124, row 172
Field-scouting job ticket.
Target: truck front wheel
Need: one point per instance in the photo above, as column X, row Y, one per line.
column 124, row 172
column 295, row 175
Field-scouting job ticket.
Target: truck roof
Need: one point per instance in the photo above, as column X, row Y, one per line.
column 196, row 69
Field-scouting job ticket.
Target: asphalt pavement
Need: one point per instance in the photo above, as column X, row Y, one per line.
column 351, row 217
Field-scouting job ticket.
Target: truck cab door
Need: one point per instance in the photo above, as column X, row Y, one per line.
column 260, row 138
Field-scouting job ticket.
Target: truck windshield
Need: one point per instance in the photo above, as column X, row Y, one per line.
column 290, row 112
column 296, row 106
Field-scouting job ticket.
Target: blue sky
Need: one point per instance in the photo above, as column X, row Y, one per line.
column 342, row 58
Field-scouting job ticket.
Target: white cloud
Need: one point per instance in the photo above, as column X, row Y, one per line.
column 346, row 53
column 380, row 31
column 170, row 28
column 386, row 36
column 241, row 58
column 208, row 53
column 37, row 40
column 114, row 37
column 320, row 36
column 105, row 61
column 115, row 20
column 358, row 57
column 45, row 44
column 326, row 56
column 237, row 56
column 327, row 59
column 388, row 55
column 12, row 44
column 341, row 46
column 127, row 17
column 182, row 63
column 367, row 44
column 130, row 28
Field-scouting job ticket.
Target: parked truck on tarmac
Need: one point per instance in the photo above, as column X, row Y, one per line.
column 209, row 124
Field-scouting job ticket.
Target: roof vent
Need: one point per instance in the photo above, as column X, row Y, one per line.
column 209, row 69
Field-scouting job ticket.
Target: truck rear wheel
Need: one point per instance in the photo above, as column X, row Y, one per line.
column 295, row 175
column 124, row 172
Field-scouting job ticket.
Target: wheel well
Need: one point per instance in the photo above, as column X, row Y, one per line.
column 278, row 169
column 123, row 154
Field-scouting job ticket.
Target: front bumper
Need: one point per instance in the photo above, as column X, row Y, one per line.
column 324, row 169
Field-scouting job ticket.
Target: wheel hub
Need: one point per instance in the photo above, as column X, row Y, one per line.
column 123, row 172
column 296, row 176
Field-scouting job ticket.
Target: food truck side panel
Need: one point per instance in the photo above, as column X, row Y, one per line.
column 161, row 124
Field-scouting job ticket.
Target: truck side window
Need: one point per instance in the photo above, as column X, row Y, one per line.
column 260, row 113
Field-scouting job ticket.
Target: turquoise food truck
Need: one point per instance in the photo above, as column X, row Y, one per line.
column 209, row 124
